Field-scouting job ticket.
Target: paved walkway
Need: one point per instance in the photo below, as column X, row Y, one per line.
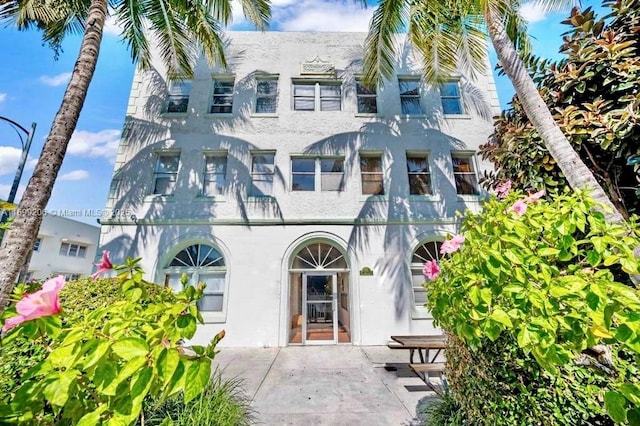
column 326, row 385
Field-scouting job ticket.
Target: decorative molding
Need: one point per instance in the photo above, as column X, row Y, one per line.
column 317, row 66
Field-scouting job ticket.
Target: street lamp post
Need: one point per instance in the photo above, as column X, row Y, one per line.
column 25, row 145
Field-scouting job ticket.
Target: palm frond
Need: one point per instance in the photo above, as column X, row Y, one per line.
column 258, row 12
column 554, row 6
column 388, row 20
column 220, row 10
column 168, row 28
column 206, row 31
column 130, row 15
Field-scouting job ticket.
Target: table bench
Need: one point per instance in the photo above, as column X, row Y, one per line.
column 419, row 343
column 423, row 370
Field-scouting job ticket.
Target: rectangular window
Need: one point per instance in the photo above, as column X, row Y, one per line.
column 213, row 297
column 222, row 97
column 36, row 244
column 450, row 97
column 367, row 101
column 419, row 174
column 410, row 97
column 215, row 172
column 73, row 250
column 266, row 95
column 464, row 173
column 331, row 174
column 303, row 174
column 322, row 96
column 371, row 171
column 262, row 172
column 178, row 99
column 69, row 276
column 166, row 172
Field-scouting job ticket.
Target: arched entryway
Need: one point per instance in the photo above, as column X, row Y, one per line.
column 319, row 311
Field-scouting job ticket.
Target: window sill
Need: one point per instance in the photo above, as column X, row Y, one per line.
column 218, row 115
column 420, row 313
column 374, row 198
column 211, row 198
column 261, row 199
column 170, row 115
column 264, row 115
column 424, row 198
column 457, row 116
column 214, row 317
column 410, row 116
column 470, row 198
column 158, row 197
column 366, row 114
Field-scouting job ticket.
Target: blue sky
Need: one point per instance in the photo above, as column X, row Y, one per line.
column 32, row 83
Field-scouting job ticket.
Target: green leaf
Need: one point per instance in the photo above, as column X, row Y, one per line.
column 57, row 391
column 92, row 418
column 548, row 252
column 167, row 364
column 96, row 354
column 633, row 417
column 198, row 373
column 187, row 325
column 631, row 392
column 615, row 403
column 594, row 258
column 133, row 365
column 501, row 316
column 130, row 347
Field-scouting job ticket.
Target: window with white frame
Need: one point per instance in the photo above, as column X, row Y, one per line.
column 464, row 173
column 262, row 173
column 371, row 174
column 68, row 276
column 410, row 96
column 178, row 98
column 266, row 95
column 419, row 174
column 36, row 244
column 73, row 250
column 317, row 96
column 215, row 172
column 367, row 99
column 222, row 102
column 166, row 173
column 450, row 97
column 202, row 263
column 425, row 251
column 305, row 172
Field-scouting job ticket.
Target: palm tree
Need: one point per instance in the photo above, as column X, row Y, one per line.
column 177, row 27
column 450, row 35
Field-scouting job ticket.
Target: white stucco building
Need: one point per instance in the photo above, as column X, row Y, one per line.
column 306, row 202
column 63, row 247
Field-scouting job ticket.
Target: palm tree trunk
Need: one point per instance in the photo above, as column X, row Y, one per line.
column 577, row 173
column 18, row 241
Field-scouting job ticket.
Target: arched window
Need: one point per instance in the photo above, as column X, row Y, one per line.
column 429, row 250
column 319, row 256
column 203, row 264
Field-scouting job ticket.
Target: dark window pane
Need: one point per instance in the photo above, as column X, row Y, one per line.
column 466, row 184
column 267, row 87
column 450, row 90
column 451, row 106
column 363, row 90
column 420, row 184
column 372, row 184
column 370, row 164
column 177, row 104
column 367, row 105
column 462, row 164
column 303, row 165
column 332, row 165
column 221, row 109
column 266, row 104
column 417, row 164
column 411, row 106
column 303, row 182
column 409, row 88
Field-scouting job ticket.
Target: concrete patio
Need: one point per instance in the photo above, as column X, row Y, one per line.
column 326, row 385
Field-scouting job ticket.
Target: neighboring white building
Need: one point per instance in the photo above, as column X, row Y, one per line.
column 63, row 246
column 307, row 203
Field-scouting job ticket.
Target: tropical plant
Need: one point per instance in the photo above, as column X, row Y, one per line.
column 533, row 290
column 594, row 97
column 451, row 36
column 177, row 28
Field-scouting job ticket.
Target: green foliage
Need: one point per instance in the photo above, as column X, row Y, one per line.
column 106, row 352
column 222, row 403
column 594, row 96
column 443, row 411
column 552, row 282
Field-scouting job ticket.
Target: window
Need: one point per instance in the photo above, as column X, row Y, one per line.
column 201, row 263
column 166, row 172
column 419, row 174
column 450, row 97
column 429, row 250
column 371, row 171
column 222, row 97
column 215, row 172
column 36, row 244
column 465, row 174
column 73, row 250
column 367, row 102
column 262, row 171
column 410, row 97
column 266, row 95
column 304, row 173
column 312, row 96
column 178, row 99
column 68, row 276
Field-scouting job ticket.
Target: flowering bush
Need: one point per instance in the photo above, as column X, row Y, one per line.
column 102, row 364
column 553, row 278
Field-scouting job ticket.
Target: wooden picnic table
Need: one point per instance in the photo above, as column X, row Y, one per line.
column 420, row 343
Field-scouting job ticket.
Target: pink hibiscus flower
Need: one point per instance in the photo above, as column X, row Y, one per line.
column 43, row 303
column 533, row 197
column 431, row 269
column 452, row 245
column 503, row 189
column 103, row 266
column 519, row 207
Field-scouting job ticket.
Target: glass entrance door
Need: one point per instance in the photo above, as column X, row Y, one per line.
column 319, row 304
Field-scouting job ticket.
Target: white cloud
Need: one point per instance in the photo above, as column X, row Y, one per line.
column 6, row 188
column 532, row 12
column 56, row 80
column 9, row 159
column 111, row 27
column 74, row 175
column 99, row 144
column 3, row 96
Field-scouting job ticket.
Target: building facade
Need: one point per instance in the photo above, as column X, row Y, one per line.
column 63, row 247
column 306, row 202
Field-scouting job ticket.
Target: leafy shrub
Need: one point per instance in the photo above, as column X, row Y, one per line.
column 524, row 296
column 443, row 411
column 222, row 403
